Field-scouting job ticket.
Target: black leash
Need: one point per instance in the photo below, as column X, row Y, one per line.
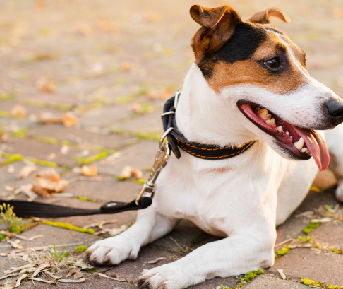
column 144, row 199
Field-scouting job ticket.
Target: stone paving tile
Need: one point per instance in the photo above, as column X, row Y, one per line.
column 82, row 137
column 105, row 116
column 41, row 150
column 305, row 263
column 290, row 229
column 140, row 156
column 329, row 233
column 150, row 123
column 268, row 282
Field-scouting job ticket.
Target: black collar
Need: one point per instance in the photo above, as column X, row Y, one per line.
column 203, row 151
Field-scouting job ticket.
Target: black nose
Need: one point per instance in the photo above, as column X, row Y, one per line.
column 334, row 108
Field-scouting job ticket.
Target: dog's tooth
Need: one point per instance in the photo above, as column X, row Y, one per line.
column 279, row 128
column 299, row 144
column 287, row 132
column 264, row 113
column 271, row 122
column 304, row 150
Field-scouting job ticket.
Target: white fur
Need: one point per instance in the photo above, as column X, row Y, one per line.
column 242, row 198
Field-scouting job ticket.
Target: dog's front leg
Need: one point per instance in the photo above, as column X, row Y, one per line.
column 231, row 256
column 150, row 225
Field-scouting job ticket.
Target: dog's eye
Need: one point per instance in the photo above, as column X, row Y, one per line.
column 273, row 63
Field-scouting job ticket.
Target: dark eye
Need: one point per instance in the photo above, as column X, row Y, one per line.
column 273, row 63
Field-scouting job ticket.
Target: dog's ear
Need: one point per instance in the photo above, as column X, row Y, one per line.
column 263, row 16
column 218, row 25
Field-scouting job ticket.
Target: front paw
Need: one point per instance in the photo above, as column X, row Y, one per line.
column 162, row 277
column 113, row 250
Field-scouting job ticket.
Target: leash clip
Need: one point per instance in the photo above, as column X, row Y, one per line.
column 161, row 159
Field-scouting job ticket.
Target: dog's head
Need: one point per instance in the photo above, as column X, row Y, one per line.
column 259, row 68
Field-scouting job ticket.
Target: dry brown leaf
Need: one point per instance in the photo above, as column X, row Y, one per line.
column 136, row 173
column 48, row 181
column 18, row 111
column 26, row 171
column 283, row 276
column 150, row 16
column 117, row 231
column 84, row 29
column 15, row 244
column 125, row 173
column 46, row 85
column 120, row 279
column 89, row 171
column 75, row 272
column 136, row 108
column 69, row 119
column 125, row 66
column 107, row 26
column 48, row 118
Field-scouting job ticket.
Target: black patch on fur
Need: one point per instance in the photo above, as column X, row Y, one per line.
column 241, row 46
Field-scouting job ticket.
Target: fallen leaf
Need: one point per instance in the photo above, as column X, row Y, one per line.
column 26, row 171
column 84, row 29
column 18, row 111
column 322, row 220
column 69, row 119
column 89, row 171
column 42, row 280
column 46, row 85
column 48, row 118
column 125, row 173
column 136, row 108
column 156, row 260
column 150, row 16
column 15, row 244
column 48, row 181
column 117, row 231
column 75, row 272
column 39, row 269
column 125, row 66
column 10, row 169
column 136, row 173
column 107, row 26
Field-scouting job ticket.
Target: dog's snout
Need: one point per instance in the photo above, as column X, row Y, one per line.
column 334, row 108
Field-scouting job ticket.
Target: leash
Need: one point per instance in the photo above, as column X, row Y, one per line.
column 175, row 140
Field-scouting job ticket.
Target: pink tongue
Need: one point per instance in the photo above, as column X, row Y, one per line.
column 317, row 147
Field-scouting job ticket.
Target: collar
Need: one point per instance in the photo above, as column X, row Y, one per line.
column 177, row 140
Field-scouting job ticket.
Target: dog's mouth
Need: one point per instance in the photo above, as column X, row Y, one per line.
column 300, row 143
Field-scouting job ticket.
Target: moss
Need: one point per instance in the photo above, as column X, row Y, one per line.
column 283, row 251
column 121, row 179
column 69, row 227
column 140, row 182
column 5, row 114
column 43, row 163
column 125, row 99
column 20, row 132
column 81, row 248
column 334, row 250
column 250, row 276
column 103, row 154
column 2, row 237
column 305, row 239
column 9, row 96
column 45, row 139
column 309, row 228
column 11, row 159
column 317, row 284
column 64, row 107
column 147, row 136
column 197, row 240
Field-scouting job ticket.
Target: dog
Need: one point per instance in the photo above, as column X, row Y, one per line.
column 249, row 82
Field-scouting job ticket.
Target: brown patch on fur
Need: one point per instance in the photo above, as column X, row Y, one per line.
column 263, row 16
column 252, row 72
column 218, row 25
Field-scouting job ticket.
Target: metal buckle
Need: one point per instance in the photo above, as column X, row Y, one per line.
column 161, row 159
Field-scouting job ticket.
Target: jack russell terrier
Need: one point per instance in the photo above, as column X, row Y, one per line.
column 249, row 83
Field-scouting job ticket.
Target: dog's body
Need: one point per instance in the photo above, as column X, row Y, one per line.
column 241, row 198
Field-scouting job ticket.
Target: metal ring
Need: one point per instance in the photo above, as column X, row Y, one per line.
column 168, row 112
column 164, row 136
column 176, row 98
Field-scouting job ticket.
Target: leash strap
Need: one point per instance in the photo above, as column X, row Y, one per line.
column 177, row 140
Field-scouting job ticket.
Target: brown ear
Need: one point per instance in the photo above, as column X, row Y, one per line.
column 218, row 25
column 263, row 16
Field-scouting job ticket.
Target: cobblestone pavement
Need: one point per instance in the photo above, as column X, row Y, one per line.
column 112, row 64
